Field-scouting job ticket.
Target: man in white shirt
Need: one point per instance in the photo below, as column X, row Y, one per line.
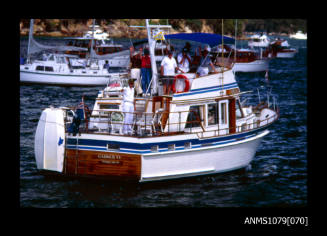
column 128, row 107
column 167, row 70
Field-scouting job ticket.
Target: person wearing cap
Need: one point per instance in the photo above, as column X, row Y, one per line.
column 167, row 71
column 128, row 106
column 205, row 63
column 187, row 47
column 184, row 60
column 146, row 70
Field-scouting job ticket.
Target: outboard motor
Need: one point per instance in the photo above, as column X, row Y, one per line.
column 49, row 145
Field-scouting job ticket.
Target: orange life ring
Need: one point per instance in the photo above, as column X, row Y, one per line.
column 187, row 83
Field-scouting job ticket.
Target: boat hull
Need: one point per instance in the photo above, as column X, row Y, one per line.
column 255, row 66
column 285, row 54
column 204, row 161
column 84, row 157
column 62, row 79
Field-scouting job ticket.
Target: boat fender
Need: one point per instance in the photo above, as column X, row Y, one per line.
column 187, row 83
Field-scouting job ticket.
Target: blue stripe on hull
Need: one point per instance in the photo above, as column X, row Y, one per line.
column 137, row 148
column 207, row 89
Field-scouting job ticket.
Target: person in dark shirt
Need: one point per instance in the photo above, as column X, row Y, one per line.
column 146, row 70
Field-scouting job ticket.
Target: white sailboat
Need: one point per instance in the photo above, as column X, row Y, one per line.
column 200, row 129
column 59, row 69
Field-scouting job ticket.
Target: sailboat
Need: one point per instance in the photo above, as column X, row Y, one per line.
column 62, row 69
column 200, row 129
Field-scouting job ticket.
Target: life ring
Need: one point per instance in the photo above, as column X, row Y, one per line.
column 187, row 83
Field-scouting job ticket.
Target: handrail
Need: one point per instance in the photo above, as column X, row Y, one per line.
column 150, row 121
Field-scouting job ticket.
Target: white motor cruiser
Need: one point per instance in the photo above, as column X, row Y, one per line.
column 299, row 35
column 202, row 128
column 245, row 60
column 64, row 69
column 281, row 49
column 259, row 40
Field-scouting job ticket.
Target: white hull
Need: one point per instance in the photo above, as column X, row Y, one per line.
column 285, row 54
column 258, row 44
column 119, row 62
column 203, row 161
column 62, row 79
column 256, row 66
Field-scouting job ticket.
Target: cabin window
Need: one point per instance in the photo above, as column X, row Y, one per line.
column 40, row 68
column 171, row 147
column 212, row 114
column 223, row 113
column 109, row 106
column 48, row 68
column 155, row 148
column 195, row 116
column 188, row 145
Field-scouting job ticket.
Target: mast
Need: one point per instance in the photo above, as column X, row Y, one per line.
column 235, row 40
column 30, row 39
column 92, row 52
column 152, row 43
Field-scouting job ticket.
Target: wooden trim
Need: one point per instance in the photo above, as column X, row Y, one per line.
column 232, row 116
column 107, row 164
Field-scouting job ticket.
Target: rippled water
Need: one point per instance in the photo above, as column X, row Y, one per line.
column 276, row 177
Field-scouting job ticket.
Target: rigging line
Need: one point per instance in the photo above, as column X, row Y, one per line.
column 222, row 33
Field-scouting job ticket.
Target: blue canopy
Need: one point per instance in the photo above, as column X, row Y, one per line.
column 206, row 38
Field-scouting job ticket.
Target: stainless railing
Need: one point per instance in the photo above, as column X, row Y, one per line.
column 157, row 124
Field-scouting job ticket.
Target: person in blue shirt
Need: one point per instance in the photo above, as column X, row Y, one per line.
column 206, row 64
column 106, row 65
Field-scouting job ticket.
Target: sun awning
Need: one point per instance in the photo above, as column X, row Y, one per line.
column 206, row 38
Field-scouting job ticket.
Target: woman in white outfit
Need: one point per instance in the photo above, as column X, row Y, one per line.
column 128, row 107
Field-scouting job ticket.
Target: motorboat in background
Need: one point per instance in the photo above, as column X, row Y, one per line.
column 200, row 129
column 96, row 32
column 298, row 35
column 245, row 59
column 258, row 40
column 281, row 49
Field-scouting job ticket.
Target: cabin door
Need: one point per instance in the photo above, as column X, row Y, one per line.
column 223, row 117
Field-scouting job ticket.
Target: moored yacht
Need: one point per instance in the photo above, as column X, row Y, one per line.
column 259, row 40
column 281, row 49
column 63, row 69
column 245, row 60
column 299, row 35
column 201, row 128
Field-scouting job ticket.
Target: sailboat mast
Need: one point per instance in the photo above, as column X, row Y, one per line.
column 30, row 39
column 152, row 56
column 235, row 40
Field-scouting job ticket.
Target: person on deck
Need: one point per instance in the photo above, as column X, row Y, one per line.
column 146, row 70
column 167, row 71
column 128, row 107
column 136, row 64
column 184, row 60
column 206, row 63
column 106, row 65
